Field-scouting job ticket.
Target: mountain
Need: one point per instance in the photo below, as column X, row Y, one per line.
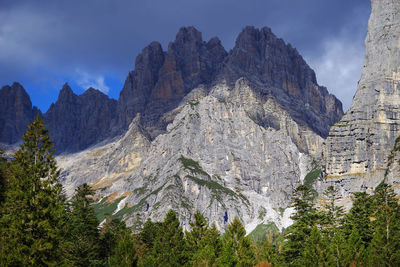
column 226, row 133
column 16, row 112
column 162, row 79
column 359, row 145
column 76, row 122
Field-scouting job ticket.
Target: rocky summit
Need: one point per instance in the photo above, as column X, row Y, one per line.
column 162, row 79
column 198, row 128
column 359, row 145
column 228, row 134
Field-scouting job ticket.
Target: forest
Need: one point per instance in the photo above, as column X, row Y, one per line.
column 39, row 226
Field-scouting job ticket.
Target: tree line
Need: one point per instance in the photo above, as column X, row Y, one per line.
column 40, row 227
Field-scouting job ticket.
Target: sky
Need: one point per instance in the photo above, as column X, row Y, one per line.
column 94, row 43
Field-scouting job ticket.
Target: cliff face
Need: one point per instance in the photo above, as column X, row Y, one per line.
column 161, row 79
column 16, row 112
column 213, row 158
column 76, row 122
column 359, row 144
column 280, row 72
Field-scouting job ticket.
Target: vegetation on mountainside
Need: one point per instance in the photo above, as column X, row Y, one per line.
column 38, row 226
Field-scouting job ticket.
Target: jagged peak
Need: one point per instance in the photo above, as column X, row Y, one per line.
column 66, row 92
column 188, row 34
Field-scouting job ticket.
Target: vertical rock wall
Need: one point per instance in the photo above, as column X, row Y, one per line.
column 359, row 144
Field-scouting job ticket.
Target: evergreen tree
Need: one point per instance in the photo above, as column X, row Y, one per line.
column 360, row 216
column 169, row 247
column 124, row 253
column 304, row 217
column 354, row 253
column 317, row 251
column 332, row 217
column 82, row 240
column 149, row 232
column 112, row 231
column 385, row 245
column 237, row 248
column 34, row 205
column 4, row 172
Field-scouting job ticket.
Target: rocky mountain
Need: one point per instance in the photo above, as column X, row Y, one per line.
column 78, row 121
column 358, row 146
column 226, row 133
column 162, row 79
column 16, row 112
column 213, row 158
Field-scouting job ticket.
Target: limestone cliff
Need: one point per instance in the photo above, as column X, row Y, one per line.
column 214, row 158
column 358, row 146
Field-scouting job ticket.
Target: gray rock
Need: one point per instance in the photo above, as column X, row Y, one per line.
column 358, row 146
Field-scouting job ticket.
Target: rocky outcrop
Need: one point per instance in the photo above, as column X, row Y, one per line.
column 16, row 112
column 214, row 157
column 359, row 144
column 161, row 79
column 278, row 71
column 77, row 122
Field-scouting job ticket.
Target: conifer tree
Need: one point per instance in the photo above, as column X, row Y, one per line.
column 304, row 217
column 317, row 251
column 169, row 247
column 124, row 253
column 385, row 245
column 34, row 205
column 237, row 247
column 359, row 218
column 82, row 240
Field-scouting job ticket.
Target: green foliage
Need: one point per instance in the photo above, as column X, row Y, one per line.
column 169, row 247
column 237, row 247
column 33, row 210
column 311, row 177
column 102, row 208
column 264, row 232
column 82, row 245
column 317, row 251
column 193, row 166
column 304, row 217
column 203, row 243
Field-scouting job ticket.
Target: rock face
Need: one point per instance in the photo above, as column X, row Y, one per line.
column 213, row 158
column 161, row 79
column 76, row 122
column 359, row 144
column 16, row 112
column 280, row 72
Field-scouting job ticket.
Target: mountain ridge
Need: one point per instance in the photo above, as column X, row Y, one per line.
column 161, row 80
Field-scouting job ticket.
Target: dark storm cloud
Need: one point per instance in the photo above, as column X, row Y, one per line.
column 48, row 41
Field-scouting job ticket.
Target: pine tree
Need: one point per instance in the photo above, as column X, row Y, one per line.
column 82, row 239
column 34, row 204
column 317, row 251
column 360, row 216
column 124, row 253
column 385, row 245
column 237, row 248
column 304, row 217
column 169, row 247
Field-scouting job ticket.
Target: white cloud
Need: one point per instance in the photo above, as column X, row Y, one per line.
column 85, row 80
column 339, row 67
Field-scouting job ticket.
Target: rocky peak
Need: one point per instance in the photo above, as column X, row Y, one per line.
column 77, row 122
column 279, row 71
column 161, row 79
column 16, row 112
column 187, row 35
